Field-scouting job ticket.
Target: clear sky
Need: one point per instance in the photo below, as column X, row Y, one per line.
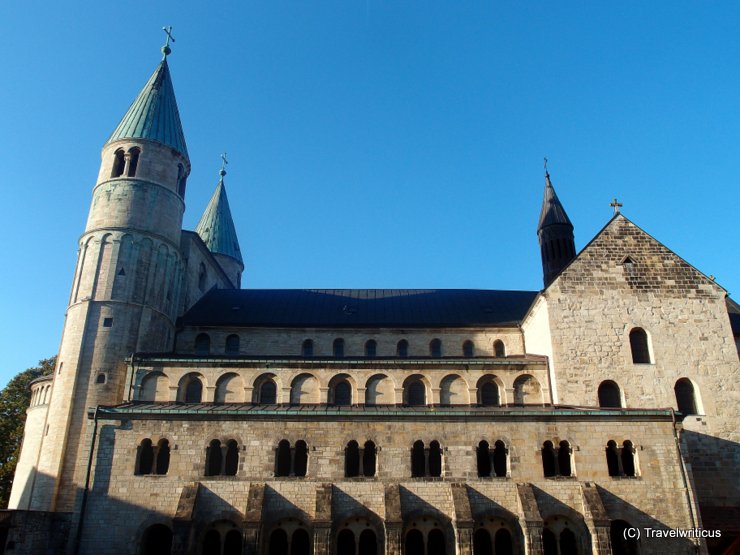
column 375, row 143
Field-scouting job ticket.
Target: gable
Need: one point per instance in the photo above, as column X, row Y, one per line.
column 622, row 255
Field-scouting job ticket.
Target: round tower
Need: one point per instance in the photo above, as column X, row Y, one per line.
column 126, row 283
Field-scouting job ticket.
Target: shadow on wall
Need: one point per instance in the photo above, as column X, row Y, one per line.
column 424, row 523
column 488, row 514
column 715, row 467
column 620, row 510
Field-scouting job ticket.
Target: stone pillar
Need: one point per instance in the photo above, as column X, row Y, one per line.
column 253, row 519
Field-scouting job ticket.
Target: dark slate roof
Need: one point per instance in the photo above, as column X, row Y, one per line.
column 552, row 210
column 154, row 115
column 733, row 309
column 401, row 308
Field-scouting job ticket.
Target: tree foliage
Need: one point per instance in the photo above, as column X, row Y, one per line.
column 14, row 401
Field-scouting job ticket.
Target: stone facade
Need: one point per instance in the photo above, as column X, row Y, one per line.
column 465, row 423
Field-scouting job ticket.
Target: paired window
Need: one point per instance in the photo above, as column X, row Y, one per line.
column 151, row 459
column 492, row 462
column 555, row 543
column 295, row 541
column 363, row 542
column 222, row 542
column 360, row 461
column 222, row 460
column 490, row 541
column 621, row 460
column 291, row 461
column 557, row 461
column 125, row 162
column 426, row 461
column 425, row 540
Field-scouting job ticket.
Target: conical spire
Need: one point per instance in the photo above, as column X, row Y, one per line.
column 216, row 227
column 555, row 232
column 154, row 115
column 552, row 211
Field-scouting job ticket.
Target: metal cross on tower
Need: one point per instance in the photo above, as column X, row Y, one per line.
column 166, row 48
column 224, row 161
column 616, row 205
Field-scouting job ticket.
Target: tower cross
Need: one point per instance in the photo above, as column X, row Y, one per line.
column 166, row 48
column 224, row 161
column 546, row 167
column 616, row 205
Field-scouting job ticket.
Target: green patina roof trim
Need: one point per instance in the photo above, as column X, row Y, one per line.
column 154, row 115
column 216, row 227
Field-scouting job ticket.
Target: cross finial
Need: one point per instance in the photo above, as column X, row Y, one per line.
column 616, row 205
column 546, row 172
column 166, row 48
column 224, row 161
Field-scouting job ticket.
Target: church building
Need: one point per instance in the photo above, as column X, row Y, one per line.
column 189, row 416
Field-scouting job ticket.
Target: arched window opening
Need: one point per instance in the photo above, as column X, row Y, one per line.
column 468, row 349
column 368, row 544
column 301, row 458
column 628, row 458
column 145, row 457
column 414, row 543
column 231, row 461
column 484, row 459
column 202, row 277
column 133, row 161
column 119, row 163
column 609, row 395
column 300, row 543
column 549, row 464
column 212, row 542
column 232, row 344
column 568, row 542
column 564, row 454
column 500, row 459
column 622, row 543
column 482, row 544
column 418, row 460
column 268, row 393
column 436, row 544
column 435, row 459
column 639, row 346
column 233, row 543
column 352, row 461
column 163, row 457
column 194, row 391
column 371, row 348
column 278, row 542
column 214, row 458
column 202, row 344
column 100, row 378
column 416, row 394
column 549, row 542
column 338, row 347
column 346, row 542
column 342, row 394
column 685, row 397
column 307, row 348
column 612, row 458
column 435, row 348
column 402, row 349
column 499, row 349
column 157, row 539
column 368, row 460
column 282, row 463
column 180, row 180
column 504, row 543
column 489, row 395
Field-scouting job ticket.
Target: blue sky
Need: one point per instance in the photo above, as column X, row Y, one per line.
column 375, row 143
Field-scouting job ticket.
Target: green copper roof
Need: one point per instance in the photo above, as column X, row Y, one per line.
column 216, row 227
column 154, row 115
column 552, row 211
